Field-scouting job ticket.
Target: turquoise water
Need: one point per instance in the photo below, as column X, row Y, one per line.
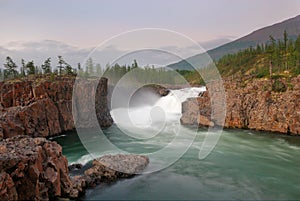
column 244, row 165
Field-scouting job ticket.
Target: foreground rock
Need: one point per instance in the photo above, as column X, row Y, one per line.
column 109, row 168
column 256, row 104
column 43, row 107
column 33, row 169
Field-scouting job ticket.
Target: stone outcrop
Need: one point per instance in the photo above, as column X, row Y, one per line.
column 109, row 168
column 34, row 169
column 43, row 107
column 251, row 105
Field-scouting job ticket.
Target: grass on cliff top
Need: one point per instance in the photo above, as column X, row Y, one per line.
column 40, row 78
column 246, row 68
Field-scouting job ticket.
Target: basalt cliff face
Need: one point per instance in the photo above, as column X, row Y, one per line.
column 257, row 104
column 43, row 107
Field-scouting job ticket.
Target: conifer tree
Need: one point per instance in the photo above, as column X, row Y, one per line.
column 10, row 68
column 47, row 66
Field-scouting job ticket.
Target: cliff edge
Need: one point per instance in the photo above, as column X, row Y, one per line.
column 258, row 104
column 43, row 107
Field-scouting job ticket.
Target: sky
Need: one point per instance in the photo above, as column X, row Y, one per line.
column 84, row 24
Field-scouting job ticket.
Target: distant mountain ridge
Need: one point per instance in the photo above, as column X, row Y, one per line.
column 292, row 26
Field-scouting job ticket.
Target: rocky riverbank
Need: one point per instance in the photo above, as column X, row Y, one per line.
column 43, row 107
column 259, row 104
column 35, row 169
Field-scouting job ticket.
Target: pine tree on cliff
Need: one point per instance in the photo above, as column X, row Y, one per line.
column 60, row 66
column 1, row 74
column 297, row 50
column 31, row 70
column 79, row 70
column 285, row 40
column 134, row 65
column 90, row 66
column 23, row 68
column 47, row 66
column 10, row 68
column 272, row 48
column 69, row 70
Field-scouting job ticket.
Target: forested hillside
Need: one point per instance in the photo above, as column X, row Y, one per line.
column 260, row 36
column 276, row 58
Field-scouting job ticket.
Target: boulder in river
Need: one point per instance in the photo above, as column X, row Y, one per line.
column 109, row 168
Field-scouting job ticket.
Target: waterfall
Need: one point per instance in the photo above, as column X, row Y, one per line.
column 167, row 108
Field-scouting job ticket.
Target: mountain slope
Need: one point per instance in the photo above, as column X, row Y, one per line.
column 292, row 26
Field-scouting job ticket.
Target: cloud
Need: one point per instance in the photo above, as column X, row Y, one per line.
column 39, row 51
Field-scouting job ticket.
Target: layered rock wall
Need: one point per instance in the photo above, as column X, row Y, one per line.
column 43, row 107
column 33, row 169
column 251, row 105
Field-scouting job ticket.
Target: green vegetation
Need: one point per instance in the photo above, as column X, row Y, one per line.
column 10, row 68
column 276, row 59
column 272, row 59
column 278, row 86
column 47, row 66
column 192, row 77
column 145, row 74
column 28, row 69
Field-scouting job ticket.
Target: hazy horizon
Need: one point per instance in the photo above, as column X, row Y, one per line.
column 35, row 30
column 85, row 24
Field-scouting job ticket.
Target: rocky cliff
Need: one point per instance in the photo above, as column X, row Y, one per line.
column 258, row 104
column 43, row 107
column 33, row 169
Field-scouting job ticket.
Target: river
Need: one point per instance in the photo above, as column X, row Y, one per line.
column 244, row 164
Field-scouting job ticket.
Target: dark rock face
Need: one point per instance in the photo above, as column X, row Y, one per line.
column 90, row 107
column 44, row 108
column 252, row 105
column 34, row 169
